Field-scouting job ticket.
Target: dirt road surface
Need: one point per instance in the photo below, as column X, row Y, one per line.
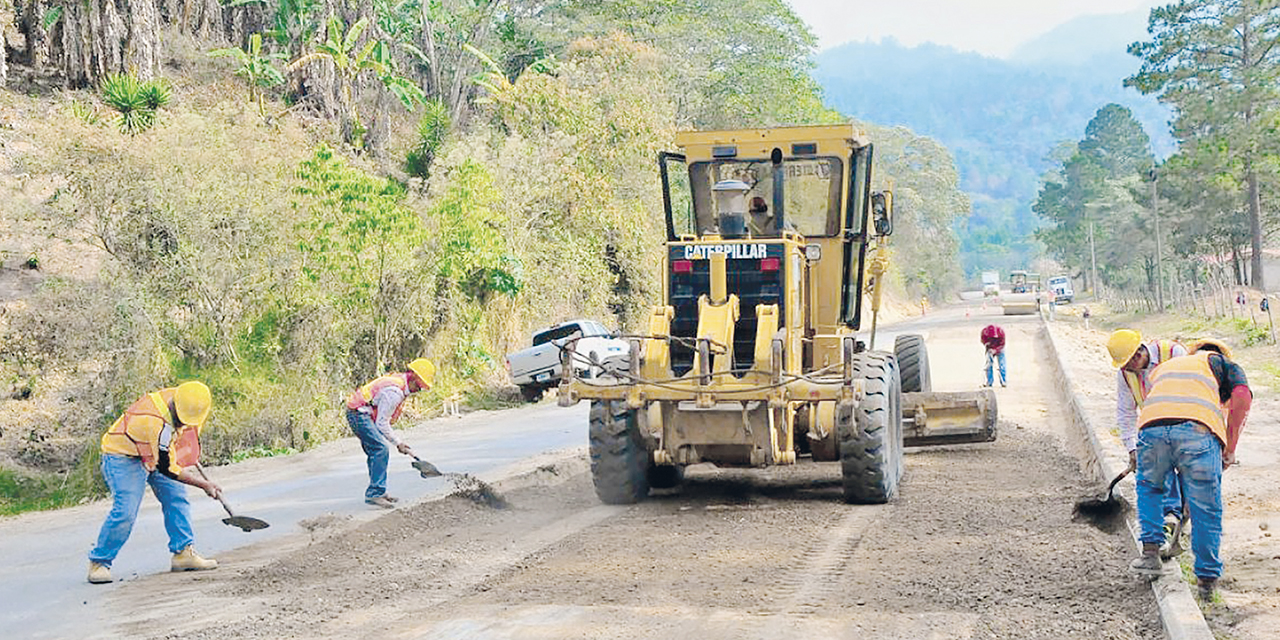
column 979, row 544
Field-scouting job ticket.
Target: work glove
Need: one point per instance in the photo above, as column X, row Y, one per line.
column 403, row 447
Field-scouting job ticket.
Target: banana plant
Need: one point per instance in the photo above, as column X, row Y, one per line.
column 256, row 68
column 339, row 49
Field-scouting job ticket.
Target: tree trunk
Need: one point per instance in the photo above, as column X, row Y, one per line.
column 31, row 25
column 1255, row 230
column 101, row 37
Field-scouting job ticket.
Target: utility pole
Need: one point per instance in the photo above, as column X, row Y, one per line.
column 1155, row 213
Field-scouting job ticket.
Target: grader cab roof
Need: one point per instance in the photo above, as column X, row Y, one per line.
column 824, row 140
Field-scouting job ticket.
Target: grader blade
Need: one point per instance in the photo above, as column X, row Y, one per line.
column 954, row 417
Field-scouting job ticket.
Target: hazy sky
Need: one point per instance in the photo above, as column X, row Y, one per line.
column 991, row 27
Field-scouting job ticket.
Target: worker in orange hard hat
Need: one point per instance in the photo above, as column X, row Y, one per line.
column 1134, row 360
column 371, row 411
column 156, row 442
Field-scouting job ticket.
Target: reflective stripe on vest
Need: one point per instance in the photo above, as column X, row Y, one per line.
column 1137, row 383
column 363, row 397
column 1186, row 389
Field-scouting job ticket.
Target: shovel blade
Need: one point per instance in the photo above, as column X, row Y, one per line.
column 245, row 523
column 1106, row 514
column 425, row 468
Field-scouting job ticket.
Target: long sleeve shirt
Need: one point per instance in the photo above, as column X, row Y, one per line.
column 1126, row 405
column 387, row 400
column 993, row 338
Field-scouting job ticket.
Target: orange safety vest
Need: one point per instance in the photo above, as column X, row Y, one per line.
column 1185, row 388
column 1138, row 384
column 363, row 397
column 137, row 433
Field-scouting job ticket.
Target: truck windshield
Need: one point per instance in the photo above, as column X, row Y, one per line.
column 557, row 333
column 811, row 190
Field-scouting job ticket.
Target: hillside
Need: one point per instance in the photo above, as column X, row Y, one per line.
column 1002, row 119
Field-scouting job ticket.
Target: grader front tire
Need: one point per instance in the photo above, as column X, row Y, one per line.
column 620, row 461
column 871, row 433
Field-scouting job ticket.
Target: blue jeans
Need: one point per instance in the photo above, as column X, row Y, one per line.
column 1000, row 358
column 1196, row 454
column 375, row 448
column 128, row 478
column 1172, row 502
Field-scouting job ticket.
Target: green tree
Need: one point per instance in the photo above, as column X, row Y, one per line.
column 928, row 204
column 1216, row 62
column 730, row 62
column 1118, row 142
column 361, row 246
column 1090, row 198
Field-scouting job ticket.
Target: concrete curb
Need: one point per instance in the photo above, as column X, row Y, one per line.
column 1179, row 613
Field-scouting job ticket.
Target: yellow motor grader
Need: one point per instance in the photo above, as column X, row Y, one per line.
column 755, row 359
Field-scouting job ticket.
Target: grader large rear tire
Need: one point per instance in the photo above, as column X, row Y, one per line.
column 619, row 459
column 913, row 362
column 871, row 434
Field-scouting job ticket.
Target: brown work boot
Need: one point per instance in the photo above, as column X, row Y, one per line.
column 1205, row 588
column 189, row 560
column 1148, row 564
column 99, row 573
column 381, row 501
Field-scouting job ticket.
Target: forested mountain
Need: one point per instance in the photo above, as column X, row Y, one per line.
column 1002, row 119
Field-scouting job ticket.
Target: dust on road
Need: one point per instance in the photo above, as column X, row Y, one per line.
column 979, row 544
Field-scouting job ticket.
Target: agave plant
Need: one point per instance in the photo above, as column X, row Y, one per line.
column 135, row 101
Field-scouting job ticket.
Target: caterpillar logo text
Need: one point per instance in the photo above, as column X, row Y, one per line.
column 730, row 251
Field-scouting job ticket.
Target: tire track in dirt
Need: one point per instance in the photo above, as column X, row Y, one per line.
column 819, row 569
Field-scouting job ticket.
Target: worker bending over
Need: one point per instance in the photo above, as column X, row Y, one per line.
column 156, row 442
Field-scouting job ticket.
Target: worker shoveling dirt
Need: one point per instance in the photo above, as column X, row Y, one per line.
column 1106, row 513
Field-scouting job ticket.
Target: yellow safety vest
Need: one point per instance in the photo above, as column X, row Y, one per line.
column 137, row 433
column 1138, row 384
column 1185, row 388
column 363, row 397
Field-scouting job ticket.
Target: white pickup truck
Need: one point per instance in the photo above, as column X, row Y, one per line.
column 538, row 368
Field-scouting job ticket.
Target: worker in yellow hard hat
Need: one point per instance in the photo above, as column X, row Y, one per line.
column 371, row 411
column 1134, row 360
column 156, row 442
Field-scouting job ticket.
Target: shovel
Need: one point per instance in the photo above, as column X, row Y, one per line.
column 244, row 523
column 425, row 468
column 1104, row 509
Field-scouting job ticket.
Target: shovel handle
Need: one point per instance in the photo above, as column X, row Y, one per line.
column 220, row 499
column 1116, row 481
